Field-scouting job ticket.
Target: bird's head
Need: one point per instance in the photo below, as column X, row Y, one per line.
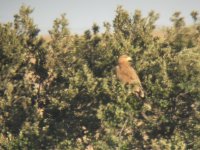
column 124, row 59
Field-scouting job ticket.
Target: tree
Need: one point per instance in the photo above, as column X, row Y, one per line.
column 64, row 94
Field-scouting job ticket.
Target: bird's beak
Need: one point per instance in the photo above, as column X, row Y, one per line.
column 129, row 59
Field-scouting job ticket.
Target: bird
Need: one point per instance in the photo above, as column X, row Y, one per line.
column 127, row 75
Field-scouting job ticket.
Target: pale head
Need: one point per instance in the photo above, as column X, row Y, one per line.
column 124, row 59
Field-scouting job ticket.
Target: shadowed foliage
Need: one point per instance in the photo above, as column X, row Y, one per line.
column 63, row 93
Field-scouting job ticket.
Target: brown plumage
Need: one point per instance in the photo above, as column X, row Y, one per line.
column 128, row 75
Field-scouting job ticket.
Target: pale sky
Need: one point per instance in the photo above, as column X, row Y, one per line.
column 81, row 14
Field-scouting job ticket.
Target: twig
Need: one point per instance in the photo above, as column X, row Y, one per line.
column 123, row 127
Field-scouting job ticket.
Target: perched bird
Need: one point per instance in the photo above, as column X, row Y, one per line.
column 128, row 75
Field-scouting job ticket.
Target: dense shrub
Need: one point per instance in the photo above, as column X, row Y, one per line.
column 62, row 93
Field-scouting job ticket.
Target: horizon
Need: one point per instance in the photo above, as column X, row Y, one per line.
column 81, row 16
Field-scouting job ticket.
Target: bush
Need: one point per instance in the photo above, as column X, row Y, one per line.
column 63, row 93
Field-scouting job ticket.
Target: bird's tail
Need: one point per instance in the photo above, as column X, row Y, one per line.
column 138, row 90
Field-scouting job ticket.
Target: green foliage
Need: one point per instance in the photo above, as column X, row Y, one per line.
column 181, row 36
column 63, row 93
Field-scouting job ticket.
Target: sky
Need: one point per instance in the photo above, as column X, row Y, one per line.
column 81, row 14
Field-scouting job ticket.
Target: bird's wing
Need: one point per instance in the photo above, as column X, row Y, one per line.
column 133, row 75
column 127, row 74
